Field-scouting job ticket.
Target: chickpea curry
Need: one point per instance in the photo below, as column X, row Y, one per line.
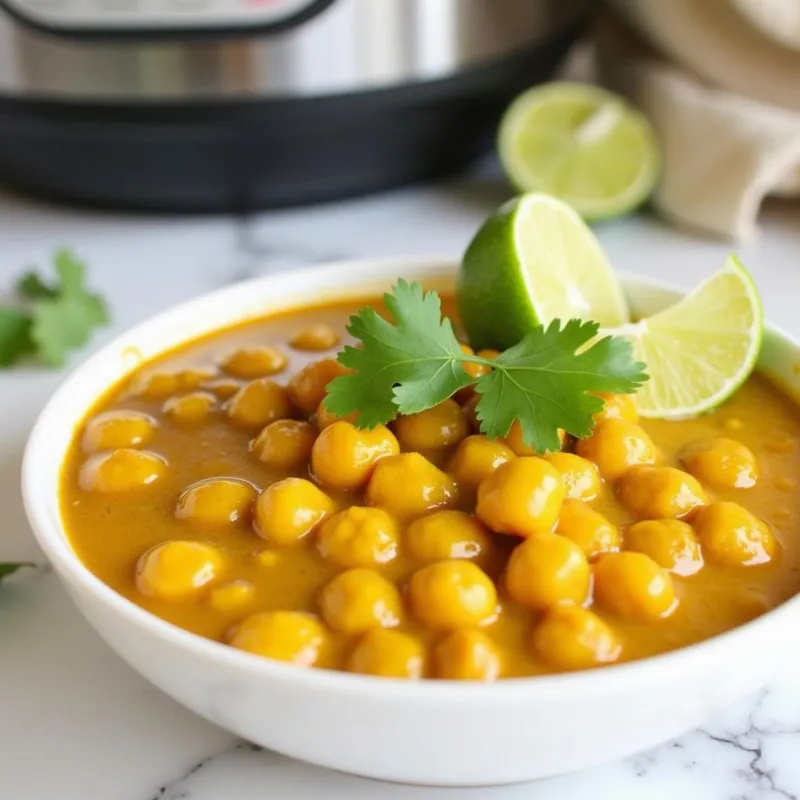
column 215, row 490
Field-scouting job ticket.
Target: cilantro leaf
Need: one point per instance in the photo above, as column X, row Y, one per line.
column 400, row 366
column 49, row 319
column 64, row 321
column 31, row 287
column 414, row 362
column 543, row 382
column 10, row 567
column 71, row 271
column 15, row 335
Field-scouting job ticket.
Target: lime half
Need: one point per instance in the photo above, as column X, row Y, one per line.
column 533, row 261
column 699, row 351
column 583, row 145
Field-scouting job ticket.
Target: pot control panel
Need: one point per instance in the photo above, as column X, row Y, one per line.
column 119, row 17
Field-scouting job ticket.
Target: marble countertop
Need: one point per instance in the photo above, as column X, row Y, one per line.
column 78, row 724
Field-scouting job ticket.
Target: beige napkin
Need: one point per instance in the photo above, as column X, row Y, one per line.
column 724, row 151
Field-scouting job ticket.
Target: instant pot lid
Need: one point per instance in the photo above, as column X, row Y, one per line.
column 132, row 50
column 156, row 19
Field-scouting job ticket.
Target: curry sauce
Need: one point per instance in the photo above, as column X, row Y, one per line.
column 448, row 566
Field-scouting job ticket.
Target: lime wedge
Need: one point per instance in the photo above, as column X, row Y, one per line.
column 582, row 144
column 533, row 261
column 699, row 351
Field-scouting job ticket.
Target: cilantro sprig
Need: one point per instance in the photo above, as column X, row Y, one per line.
column 49, row 319
column 8, row 568
column 413, row 362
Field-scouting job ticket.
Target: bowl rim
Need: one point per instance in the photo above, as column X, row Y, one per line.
column 50, row 533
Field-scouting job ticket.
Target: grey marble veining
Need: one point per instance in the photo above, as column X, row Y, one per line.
column 180, row 788
column 77, row 724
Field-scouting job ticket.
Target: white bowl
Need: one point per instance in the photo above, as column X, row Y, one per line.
column 432, row 732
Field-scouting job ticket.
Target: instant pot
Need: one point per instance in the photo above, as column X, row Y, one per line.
column 238, row 104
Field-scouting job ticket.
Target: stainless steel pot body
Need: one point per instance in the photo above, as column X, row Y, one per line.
column 95, row 50
column 235, row 105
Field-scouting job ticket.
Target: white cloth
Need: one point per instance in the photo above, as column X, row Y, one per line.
column 724, row 151
column 778, row 19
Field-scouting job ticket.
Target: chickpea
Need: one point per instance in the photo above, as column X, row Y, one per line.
column 292, row 636
column 632, row 585
column 581, row 477
column 359, row 537
column 658, row 492
column 588, row 528
column 122, row 470
column 467, row 655
column 344, row 456
column 476, row 458
column 285, row 443
column 669, row 542
column 471, row 414
column 441, row 426
column 289, row 510
column 178, row 570
column 190, row 408
column 730, row 535
column 258, row 403
column 223, row 388
column 454, row 594
column 721, row 463
column 254, row 362
column 118, row 428
column 315, row 337
column 388, row 654
column 570, row 637
column 193, row 377
column 358, row 600
column 160, row 385
column 515, row 441
column 307, row 388
column 156, row 386
column 521, row 497
column 547, row 570
column 446, row 535
column 476, row 370
column 324, row 418
column 617, row 406
column 217, row 501
column 232, row 596
column 408, row 486
column 615, row 446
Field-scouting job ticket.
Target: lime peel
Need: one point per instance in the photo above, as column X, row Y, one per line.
column 533, row 261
